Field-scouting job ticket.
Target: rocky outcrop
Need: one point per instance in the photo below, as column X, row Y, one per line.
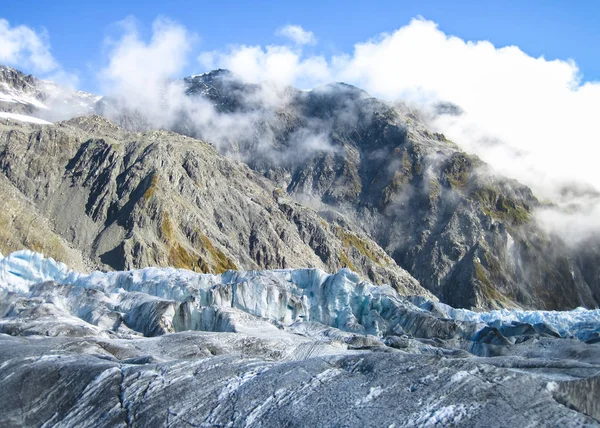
column 19, row 93
column 27, row 95
column 129, row 200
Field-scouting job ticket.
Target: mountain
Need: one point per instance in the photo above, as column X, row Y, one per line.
column 466, row 233
column 28, row 96
column 117, row 200
column 377, row 170
column 270, row 348
column 195, row 290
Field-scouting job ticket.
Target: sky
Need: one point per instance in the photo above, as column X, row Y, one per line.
column 77, row 30
column 526, row 74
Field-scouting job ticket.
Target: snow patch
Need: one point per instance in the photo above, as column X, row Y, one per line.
column 9, row 94
column 459, row 376
column 441, row 416
column 23, row 118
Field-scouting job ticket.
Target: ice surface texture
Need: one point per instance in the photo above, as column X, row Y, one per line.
column 338, row 300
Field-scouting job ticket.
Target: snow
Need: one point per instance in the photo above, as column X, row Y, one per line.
column 284, row 296
column 23, row 118
column 11, row 95
column 579, row 322
column 374, row 392
column 443, row 416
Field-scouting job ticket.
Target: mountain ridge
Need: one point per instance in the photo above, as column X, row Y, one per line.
column 467, row 234
column 162, row 199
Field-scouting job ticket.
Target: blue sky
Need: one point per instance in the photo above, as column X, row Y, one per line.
column 77, row 29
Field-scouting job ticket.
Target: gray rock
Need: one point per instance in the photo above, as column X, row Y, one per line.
column 378, row 174
column 125, row 201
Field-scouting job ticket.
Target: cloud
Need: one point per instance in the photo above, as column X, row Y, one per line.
column 277, row 64
column 137, row 70
column 297, row 34
column 21, row 46
column 530, row 106
column 142, row 89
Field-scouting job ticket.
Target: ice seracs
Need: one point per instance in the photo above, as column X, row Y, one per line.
column 581, row 323
column 177, row 299
column 22, row 269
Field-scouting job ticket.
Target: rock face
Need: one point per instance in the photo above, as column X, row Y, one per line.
column 19, row 93
column 273, row 348
column 466, row 234
column 388, row 191
column 121, row 200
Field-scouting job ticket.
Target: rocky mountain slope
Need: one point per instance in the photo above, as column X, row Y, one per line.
column 27, row 95
column 334, row 181
column 376, row 169
column 119, row 200
column 465, row 233
column 273, row 348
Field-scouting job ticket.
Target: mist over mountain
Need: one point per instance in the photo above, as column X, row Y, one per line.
column 467, row 234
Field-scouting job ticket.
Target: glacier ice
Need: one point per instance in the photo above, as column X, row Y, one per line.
column 338, row 300
column 148, row 346
column 21, row 269
column 581, row 323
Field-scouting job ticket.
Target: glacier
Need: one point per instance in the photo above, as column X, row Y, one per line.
column 338, row 300
column 292, row 347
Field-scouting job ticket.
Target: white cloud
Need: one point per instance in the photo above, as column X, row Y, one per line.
column 277, row 64
column 137, row 70
column 22, row 47
column 297, row 34
column 532, row 105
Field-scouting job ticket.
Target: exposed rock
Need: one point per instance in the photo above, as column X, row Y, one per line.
column 130, row 200
column 375, row 171
column 464, row 232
